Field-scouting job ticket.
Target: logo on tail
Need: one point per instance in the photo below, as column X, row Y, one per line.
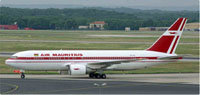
column 167, row 42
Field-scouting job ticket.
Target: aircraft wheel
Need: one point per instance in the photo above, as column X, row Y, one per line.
column 22, row 76
column 103, row 76
column 91, row 75
column 98, row 76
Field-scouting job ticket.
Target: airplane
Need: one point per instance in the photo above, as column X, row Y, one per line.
column 94, row 62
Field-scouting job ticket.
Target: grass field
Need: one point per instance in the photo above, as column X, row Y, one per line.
column 184, row 48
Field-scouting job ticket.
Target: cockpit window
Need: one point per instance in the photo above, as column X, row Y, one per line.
column 13, row 57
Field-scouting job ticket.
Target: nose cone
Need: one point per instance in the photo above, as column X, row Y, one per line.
column 10, row 63
column 7, row 62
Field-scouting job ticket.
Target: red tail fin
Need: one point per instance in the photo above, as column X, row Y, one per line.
column 167, row 43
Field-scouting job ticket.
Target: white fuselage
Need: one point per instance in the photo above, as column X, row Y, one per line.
column 60, row 59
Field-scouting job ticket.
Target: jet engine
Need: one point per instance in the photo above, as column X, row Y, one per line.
column 77, row 69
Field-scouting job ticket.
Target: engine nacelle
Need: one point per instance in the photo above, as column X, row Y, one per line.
column 77, row 69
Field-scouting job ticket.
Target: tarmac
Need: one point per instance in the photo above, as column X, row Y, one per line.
column 114, row 84
column 104, row 42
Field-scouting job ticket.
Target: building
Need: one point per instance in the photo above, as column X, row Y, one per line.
column 192, row 26
column 153, row 28
column 8, row 27
column 147, row 29
column 127, row 29
column 161, row 28
column 83, row 27
column 188, row 27
column 27, row 28
column 97, row 25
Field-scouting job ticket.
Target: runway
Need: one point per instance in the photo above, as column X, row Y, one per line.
column 115, row 84
column 98, row 42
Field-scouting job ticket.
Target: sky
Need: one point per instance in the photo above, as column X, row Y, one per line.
column 112, row 3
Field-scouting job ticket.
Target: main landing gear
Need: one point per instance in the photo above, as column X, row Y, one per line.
column 97, row 75
column 22, row 75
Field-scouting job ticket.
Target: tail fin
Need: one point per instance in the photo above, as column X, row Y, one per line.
column 167, row 42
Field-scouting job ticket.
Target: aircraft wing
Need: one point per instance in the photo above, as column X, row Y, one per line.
column 102, row 65
column 170, row 57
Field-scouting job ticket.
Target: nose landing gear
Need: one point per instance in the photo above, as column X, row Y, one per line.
column 21, row 72
column 22, row 75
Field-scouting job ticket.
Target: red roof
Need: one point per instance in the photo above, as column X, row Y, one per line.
column 9, row 27
column 98, row 22
column 27, row 28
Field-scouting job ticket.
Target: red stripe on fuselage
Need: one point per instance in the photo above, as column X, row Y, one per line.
column 79, row 61
column 78, row 58
column 176, row 25
column 162, row 45
column 174, row 45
